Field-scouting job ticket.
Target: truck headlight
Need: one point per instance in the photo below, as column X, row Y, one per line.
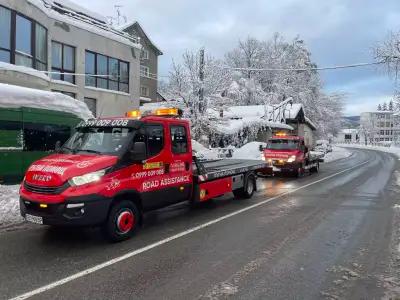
column 262, row 156
column 87, row 178
column 291, row 159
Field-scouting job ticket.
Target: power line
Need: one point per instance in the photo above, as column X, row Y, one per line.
column 304, row 69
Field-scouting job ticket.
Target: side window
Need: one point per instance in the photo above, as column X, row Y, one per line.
column 155, row 139
column 179, row 140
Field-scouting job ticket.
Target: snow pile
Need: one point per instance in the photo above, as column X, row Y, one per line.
column 393, row 150
column 202, row 152
column 249, row 151
column 16, row 97
column 9, row 205
column 21, row 69
column 336, row 154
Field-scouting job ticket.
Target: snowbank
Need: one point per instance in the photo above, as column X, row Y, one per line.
column 336, row 154
column 16, row 97
column 9, row 205
column 393, row 150
column 249, row 151
column 202, row 152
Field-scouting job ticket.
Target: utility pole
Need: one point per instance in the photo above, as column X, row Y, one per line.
column 201, row 77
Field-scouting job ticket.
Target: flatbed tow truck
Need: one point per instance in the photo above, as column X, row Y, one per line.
column 112, row 171
column 289, row 154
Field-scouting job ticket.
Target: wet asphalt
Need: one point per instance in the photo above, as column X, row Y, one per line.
column 328, row 237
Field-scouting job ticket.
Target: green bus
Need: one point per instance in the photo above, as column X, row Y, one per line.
column 27, row 134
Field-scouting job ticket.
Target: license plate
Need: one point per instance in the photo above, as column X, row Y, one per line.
column 275, row 169
column 34, row 219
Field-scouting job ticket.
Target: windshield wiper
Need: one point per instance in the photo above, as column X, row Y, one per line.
column 88, row 150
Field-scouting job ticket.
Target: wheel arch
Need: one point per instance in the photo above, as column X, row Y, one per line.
column 130, row 195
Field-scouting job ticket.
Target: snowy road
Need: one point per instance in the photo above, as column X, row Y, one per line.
column 328, row 235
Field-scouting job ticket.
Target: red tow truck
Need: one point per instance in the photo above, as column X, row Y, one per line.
column 112, row 171
column 289, row 154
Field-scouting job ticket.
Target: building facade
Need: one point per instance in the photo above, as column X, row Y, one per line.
column 348, row 136
column 87, row 59
column 380, row 127
column 148, row 64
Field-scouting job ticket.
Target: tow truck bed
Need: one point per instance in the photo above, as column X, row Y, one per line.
column 214, row 169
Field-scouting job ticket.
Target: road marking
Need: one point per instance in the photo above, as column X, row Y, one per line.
column 168, row 239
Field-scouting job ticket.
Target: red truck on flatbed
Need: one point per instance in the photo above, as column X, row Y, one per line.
column 111, row 171
column 289, row 154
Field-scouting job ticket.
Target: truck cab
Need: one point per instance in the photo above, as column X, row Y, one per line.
column 113, row 170
column 285, row 153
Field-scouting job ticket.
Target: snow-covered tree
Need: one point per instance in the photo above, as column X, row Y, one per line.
column 185, row 84
column 390, row 106
column 384, row 106
column 379, row 107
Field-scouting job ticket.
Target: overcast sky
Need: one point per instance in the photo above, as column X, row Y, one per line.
column 336, row 31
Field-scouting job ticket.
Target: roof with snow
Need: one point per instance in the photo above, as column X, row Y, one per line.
column 80, row 17
column 349, row 130
column 12, row 96
column 135, row 25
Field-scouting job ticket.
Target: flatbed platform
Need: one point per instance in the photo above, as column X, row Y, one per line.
column 214, row 169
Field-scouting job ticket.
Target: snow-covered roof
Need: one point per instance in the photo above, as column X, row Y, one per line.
column 233, row 126
column 75, row 15
column 349, row 130
column 12, row 96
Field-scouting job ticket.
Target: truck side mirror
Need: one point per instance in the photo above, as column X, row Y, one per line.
column 138, row 152
column 261, row 148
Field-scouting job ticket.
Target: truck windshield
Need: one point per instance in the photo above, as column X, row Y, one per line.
column 99, row 140
column 283, row 145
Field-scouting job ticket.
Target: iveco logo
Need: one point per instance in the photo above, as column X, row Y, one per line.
column 43, row 178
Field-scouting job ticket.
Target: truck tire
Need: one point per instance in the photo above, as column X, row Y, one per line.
column 122, row 221
column 247, row 191
column 315, row 169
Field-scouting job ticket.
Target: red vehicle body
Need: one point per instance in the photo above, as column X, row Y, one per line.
column 113, row 170
column 285, row 153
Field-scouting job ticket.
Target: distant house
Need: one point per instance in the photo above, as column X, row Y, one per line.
column 238, row 125
column 148, row 63
column 348, row 136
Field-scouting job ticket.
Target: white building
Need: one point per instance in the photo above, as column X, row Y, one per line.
column 91, row 61
column 348, row 136
column 379, row 127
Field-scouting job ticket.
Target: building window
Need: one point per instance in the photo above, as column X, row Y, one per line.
column 92, row 105
column 110, row 73
column 144, row 54
column 72, row 95
column 144, row 91
column 5, row 35
column 23, row 41
column 63, row 61
column 144, row 71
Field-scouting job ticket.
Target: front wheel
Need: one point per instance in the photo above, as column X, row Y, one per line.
column 122, row 221
column 248, row 189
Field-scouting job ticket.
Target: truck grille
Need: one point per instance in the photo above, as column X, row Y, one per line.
column 44, row 189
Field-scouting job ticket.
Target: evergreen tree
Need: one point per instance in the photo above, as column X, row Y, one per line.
column 379, row 107
column 391, row 105
column 384, row 106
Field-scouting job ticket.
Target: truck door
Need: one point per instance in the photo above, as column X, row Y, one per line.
column 180, row 169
